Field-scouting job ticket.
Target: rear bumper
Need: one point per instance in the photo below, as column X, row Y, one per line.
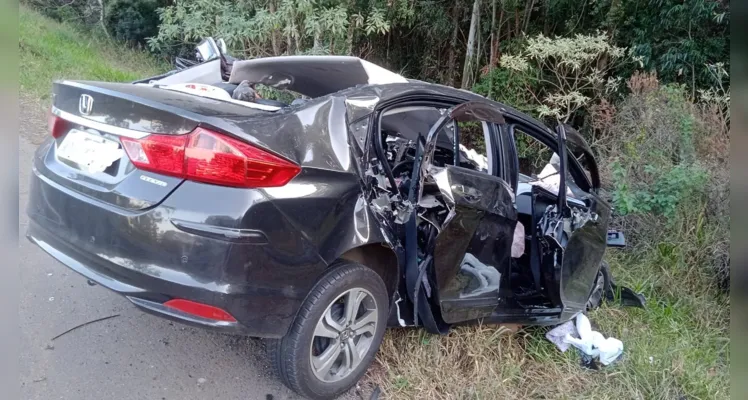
column 252, row 266
column 145, row 298
column 141, row 297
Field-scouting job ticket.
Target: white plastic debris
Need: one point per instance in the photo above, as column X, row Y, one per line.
column 486, row 276
column 584, row 331
column 550, row 179
column 557, row 334
column 397, row 307
column 581, row 336
column 476, row 157
column 518, row 242
column 609, row 350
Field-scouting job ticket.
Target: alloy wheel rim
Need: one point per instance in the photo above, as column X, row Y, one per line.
column 343, row 335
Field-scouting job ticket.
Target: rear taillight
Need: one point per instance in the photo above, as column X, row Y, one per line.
column 200, row 310
column 209, row 157
column 56, row 125
column 158, row 153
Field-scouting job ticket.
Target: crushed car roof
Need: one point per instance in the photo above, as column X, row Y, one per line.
column 312, row 76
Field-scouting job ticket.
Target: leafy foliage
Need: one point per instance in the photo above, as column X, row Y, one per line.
column 76, row 12
column 508, row 87
column 422, row 38
column 670, row 188
column 50, row 50
column 254, row 28
column 133, row 21
column 677, row 37
column 570, row 71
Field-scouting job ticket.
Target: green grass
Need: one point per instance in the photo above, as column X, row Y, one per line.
column 675, row 348
column 50, row 50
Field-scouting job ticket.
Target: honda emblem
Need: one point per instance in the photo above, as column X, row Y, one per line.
column 85, row 104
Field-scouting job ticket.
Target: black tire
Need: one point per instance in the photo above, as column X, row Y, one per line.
column 606, row 288
column 291, row 356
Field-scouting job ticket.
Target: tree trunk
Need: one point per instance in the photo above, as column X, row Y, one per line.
column 494, row 37
column 351, row 30
column 508, row 27
column 546, row 19
column 289, row 46
column 478, row 44
column 498, row 34
column 101, row 18
column 528, row 12
column 453, row 45
column 467, row 71
column 516, row 21
column 610, row 17
column 389, row 41
column 349, row 39
column 274, row 35
column 289, row 37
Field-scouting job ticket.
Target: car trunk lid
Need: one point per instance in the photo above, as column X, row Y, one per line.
column 90, row 122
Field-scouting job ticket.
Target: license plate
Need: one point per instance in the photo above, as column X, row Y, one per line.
column 91, row 152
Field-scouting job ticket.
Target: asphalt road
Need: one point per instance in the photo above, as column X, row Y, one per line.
column 131, row 356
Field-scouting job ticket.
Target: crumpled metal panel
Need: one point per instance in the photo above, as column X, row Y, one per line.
column 478, row 190
column 360, row 130
column 583, row 255
column 360, row 106
column 440, row 176
column 576, row 245
column 315, row 135
column 311, row 134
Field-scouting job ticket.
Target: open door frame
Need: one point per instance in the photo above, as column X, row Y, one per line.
column 573, row 241
column 473, row 249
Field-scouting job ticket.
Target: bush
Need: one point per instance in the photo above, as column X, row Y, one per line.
column 670, row 188
column 652, row 155
column 509, row 87
column 664, row 160
column 133, row 21
column 569, row 71
column 75, row 12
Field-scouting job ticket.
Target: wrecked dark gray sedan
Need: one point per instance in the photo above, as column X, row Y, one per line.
column 370, row 201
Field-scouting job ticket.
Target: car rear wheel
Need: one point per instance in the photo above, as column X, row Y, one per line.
column 335, row 335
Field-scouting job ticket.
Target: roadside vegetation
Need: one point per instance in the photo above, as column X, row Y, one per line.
column 670, row 155
column 51, row 50
column 646, row 82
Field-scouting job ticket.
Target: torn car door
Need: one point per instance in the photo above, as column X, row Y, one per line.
column 572, row 236
column 472, row 250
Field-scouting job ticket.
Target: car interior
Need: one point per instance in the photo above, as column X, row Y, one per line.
column 400, row 129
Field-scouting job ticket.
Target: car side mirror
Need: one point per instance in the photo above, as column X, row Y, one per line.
column 222, row 46
column 207, row 50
